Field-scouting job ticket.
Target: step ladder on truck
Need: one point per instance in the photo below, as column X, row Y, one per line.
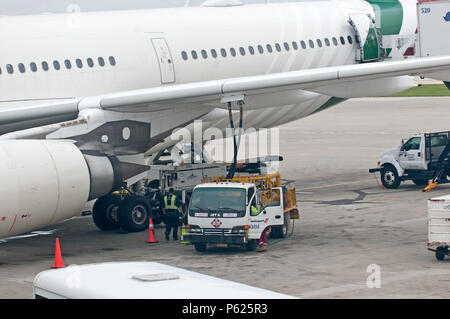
column 220, row 211
column 423, row 159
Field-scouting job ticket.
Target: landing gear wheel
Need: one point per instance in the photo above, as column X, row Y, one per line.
column 441, row 252
column 251, row 245
column 389, row 177
column 281, row 231
column 134, row 214
column 200, row 247
column 105, row 212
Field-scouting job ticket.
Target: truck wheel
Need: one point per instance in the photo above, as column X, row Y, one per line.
column 251, row 245
column 281, row 231
column 200, row 247
column 134, row 214
column 104, row 212
column 389, row 177
column 441, row 252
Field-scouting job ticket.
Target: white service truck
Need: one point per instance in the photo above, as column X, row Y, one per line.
column 421, row 158
column 220, row 212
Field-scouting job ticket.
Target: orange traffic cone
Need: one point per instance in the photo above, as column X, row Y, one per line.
column 151, row 233
column 58, row 257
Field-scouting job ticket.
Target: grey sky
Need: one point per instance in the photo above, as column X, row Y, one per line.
column 20, row 7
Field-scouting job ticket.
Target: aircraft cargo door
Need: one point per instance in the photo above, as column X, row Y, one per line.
column 367, row 37
column 165, row 61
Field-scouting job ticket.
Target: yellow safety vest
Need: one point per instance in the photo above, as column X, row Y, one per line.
column 254, row 211
column 172, row 203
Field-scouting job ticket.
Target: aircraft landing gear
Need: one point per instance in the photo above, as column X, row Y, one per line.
column 130, row 213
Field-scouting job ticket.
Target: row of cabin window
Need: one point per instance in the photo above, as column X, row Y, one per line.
column 269, row 48
column 57, row 65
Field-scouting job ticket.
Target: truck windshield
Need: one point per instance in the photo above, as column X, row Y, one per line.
column 228, row 202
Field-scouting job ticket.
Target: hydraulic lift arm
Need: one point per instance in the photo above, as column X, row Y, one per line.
column 441, row 168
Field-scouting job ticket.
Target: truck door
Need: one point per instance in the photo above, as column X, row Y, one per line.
column 165, row 61
column 412, row 155
column 270, row 212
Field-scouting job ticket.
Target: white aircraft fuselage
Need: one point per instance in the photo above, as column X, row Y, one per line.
column 140, row 43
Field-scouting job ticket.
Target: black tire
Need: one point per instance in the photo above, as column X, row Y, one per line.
column 104, row 212
column 389, row 177
column 441, row 252
column 420, row 182
column 200, row 247
column 251, row 245
column 281, row 231
column 134, row 214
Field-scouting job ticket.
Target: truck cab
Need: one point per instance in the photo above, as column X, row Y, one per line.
column 236, row 213
column 417, row 159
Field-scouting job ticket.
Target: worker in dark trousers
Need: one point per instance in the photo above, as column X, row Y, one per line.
column 172, row 211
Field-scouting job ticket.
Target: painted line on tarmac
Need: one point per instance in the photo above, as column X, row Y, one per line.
column 332, row 185
column 384, row 280
column 32, row 234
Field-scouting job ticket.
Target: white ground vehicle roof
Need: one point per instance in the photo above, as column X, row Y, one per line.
column 223, row 184
column 140, row 280
column 443, row 197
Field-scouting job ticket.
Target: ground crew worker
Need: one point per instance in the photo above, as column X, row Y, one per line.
column 262, row 241
column 172, row 211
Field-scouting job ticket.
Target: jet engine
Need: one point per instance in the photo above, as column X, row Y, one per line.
column 44, row 182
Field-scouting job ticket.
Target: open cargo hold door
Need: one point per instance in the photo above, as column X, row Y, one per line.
column 368, row 38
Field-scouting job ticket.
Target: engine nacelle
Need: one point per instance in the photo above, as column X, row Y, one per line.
column 42, row 183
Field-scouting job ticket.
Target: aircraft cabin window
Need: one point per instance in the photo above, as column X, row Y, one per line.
column 269, row 48
column 80, row 63
column 251, row 50
column 342, row 40
column 295, row 45
column 90, row 62
column 350, row 39
column 260, row 49
column 286, row 46
column 21, row 68
column 233, row 52
column 223, row 52
column 278, row 47
column 10, row 68
column 101, row 61
column 335, row 41
column 327, row 42
column 242, row 50
column 0, row 71
column 56, row 65
column 214, row 53
column 45, row 66
column 184, row 55
column 204, row 54
column 68, row 64
column 303, row 44
column 311, row 44
column 319, row 43
column 33, row 67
